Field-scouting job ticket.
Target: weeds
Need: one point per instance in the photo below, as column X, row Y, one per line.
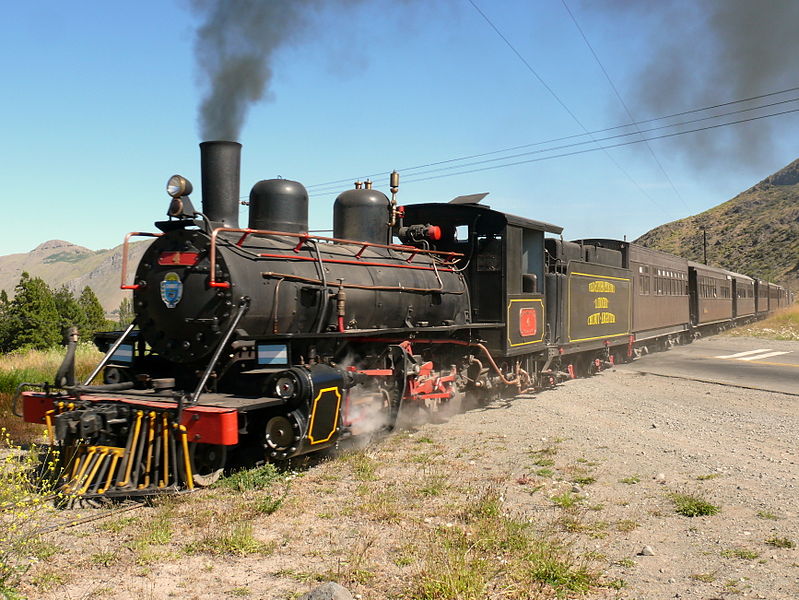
column 434, row 485
column 693, row 506
column 584, row 480
column 703, row 577
column 781, row 542
column 632, row 480
column 626, row 525
column 742, row 553
column 363, row 466
column 237, row 540
column 567, row 499
column 27, row 487
column 491, row 551
column 768, row 516
column 708, row 476
column 103, row 559
column 250, row 479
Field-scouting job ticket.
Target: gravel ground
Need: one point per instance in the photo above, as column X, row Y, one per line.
column 621, row 442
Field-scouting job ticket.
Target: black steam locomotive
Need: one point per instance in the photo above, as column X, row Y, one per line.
column 273, row 342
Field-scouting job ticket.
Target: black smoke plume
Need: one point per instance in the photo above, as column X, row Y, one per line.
column 704, row 53
column 235, row 45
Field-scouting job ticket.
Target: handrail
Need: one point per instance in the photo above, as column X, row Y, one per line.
column 125, row 245
column 304, row 237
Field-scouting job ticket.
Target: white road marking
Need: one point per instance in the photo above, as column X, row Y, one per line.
column 762, row 356
column 740, row 354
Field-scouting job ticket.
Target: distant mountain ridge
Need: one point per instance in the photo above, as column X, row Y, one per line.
column 756, row 233
column 63, row 263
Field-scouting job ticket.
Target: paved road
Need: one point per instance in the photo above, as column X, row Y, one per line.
column 747, row 362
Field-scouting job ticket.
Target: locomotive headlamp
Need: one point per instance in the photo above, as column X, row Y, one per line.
column 178, row 186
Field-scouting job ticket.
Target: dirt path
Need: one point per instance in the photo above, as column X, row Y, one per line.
column 592, row 464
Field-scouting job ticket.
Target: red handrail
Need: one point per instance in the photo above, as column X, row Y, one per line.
column 304, row 237
column 125, row 244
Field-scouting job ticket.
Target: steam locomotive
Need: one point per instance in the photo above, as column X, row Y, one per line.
column 272, row 342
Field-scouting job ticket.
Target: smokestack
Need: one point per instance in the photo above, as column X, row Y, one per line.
column 220, row 162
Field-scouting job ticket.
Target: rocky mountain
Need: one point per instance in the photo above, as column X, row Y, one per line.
column 756, row 233
column 62, row 263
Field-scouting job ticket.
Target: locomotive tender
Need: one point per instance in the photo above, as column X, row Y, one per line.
column 275, row 343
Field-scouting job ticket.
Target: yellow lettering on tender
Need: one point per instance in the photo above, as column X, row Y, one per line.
column 601, row 318
column 602, row 287
column 601, row 302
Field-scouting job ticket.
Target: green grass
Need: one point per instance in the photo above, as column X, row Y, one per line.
column 632, row 480
column 250, row 479
column 742, row 553
column 567, row 499
column 693, row 506
column 584, row 480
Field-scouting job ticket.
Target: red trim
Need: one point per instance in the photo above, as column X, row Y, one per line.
column 304, row 237
column 205, row 424
column 376, row 372
column 182, row 259
column 35, row 406
column 353, row 262
column 125, row 244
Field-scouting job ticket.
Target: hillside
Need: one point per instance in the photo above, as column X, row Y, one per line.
column 62, row 263
column 756, row 233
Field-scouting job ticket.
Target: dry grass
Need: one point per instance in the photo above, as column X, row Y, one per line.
column 35, row 366
column 782, row 325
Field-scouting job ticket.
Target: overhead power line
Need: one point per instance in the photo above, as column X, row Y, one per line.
column 330, row 186
column 563, row 104
column 618, row 145
column 621, row 100
column 578, row 135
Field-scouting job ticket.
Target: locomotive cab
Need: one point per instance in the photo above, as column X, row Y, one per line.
column 503, row 261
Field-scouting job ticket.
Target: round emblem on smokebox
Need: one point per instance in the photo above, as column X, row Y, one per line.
column 171, row 289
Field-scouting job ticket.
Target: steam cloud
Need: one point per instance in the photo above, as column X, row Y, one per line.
column 235, row 46
column 705, row 53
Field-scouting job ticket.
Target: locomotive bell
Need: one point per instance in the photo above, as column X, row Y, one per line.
column 362, row 215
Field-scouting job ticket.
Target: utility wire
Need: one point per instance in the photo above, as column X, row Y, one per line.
column 572, row 145
column 639, row 131
column 618, row 145
column 623, row 103
column 578, row 135
column 556, row 97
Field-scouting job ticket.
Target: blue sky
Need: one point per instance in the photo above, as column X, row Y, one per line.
column 99, row 108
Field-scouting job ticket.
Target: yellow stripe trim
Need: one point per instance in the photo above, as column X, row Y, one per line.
column 313, row 413
column 543, row 318
column 600, row 276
